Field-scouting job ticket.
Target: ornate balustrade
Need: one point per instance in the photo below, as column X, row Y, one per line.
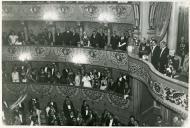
column 170, row 92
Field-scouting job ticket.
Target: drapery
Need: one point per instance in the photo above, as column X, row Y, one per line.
column 183, row 25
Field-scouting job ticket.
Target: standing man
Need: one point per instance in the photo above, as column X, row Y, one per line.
column 155, row 54
column 114, row 41
column 163, row 58
column 67, row 36
column 58, row 37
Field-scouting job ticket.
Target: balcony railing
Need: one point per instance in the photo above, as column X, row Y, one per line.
column 169, row 92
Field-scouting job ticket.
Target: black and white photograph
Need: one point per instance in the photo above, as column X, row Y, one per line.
column 95, row 63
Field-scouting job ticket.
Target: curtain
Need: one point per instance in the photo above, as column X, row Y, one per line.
column 183, row 25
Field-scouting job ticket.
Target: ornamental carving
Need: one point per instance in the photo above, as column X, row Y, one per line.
column 6, row 10
column 92, row 94
column 16, row 89
column 35, row 9
column 121, row 11
column 67, row 91
column 119, row 58
column 90, row 10
column 42, row 90
column 12, row 50
column 118, row 101
column 170, row 95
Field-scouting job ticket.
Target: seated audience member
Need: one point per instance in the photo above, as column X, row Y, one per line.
column 183, row 48
column 136, row 123
column 15, row 76
column 114, row 41
column 90, row 119
column 42, row 75
column 68, row 107
column 123, row 43
column 33, row 75
column 58, row 77
column 155, row 54
column 177, row 62
column 83, row 107
column 21, row 38
column 159, row 122
column 86, row 81
column 35, row 112
column 185, row 67
column 170, row 70
column 51, row 105
column 58, row 37
column 49, row 38
column 77, row 79
column 32, row 39
column 163, row 58
column 75, row 38
column 127, row 91
column 104, row 83
column 52, row 116
column 13, row 38
column 176, row 121
column 80, row 121
column 23, row 75
column 131, row 121
column 110, row 121
column 85, row 41
column 85, row 113
column 19, row 112
column 104, row 117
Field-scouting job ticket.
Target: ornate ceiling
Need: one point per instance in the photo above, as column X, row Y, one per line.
column 82, row 11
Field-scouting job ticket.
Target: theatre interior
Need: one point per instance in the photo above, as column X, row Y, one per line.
column 95, row 63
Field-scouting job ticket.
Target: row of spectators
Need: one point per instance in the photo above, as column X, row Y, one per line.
column 70, row 115
column 50, row 73
column 168, row 64
column 69, row 38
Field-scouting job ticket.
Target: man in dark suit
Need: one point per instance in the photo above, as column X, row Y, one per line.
column 75, row 38
column 110, row 121
column 68, row 107
column 58, row 37
column 114, row 40
column 95, row 39
column 67, row 36
column 163, row 58
column 155, row 53
column 103, row 40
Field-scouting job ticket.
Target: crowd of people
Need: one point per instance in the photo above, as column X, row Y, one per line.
column 70, row 37
column 51, row 73
column 69, row 115
column 168, row 64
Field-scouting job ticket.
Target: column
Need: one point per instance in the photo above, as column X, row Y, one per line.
column 144, row 19
column 25, row 31
column 80, row 30
column 173, row 28
column 53, row 32
column 136, row 86
column 109, row 35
